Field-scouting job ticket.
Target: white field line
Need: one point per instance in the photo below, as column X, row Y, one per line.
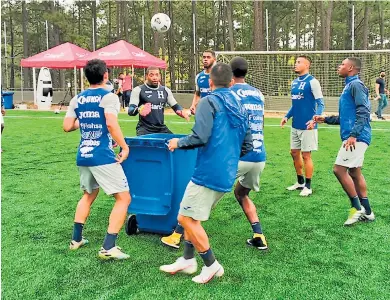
column 181, row 122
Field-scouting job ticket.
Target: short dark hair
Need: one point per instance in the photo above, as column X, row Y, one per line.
column 382, row 71
column 305, row 57
column 94, row 71
column 221, row 75
column 356, row 62
column 210, row 51
column 239, row 66
column 151, row 68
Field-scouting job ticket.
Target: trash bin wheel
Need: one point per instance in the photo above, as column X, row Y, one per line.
column 131, row 226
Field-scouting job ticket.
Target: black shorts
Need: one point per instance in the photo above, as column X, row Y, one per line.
column 143, row 131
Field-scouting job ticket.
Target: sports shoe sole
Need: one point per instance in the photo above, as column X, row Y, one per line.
column 176, row 246
column 219, row 273
column 248, row 242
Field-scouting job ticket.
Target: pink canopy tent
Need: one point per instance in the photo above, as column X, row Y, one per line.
column 64, row 56
column 123, row 54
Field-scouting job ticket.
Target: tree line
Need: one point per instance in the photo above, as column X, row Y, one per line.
column 220, row 25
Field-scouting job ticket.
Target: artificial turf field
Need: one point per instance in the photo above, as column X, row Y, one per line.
column 311, row 255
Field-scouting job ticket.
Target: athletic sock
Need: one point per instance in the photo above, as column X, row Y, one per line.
column 189, row 250
column 77, row 232
column 366, row 204
column 109, row 241
column 308, row 183
column 355, row 202
column 208, row 257
column 256, row 227
column 301, row 179
column 179, row 229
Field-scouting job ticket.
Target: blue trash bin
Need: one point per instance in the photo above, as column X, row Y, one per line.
column 8, row 100
column 157, row 180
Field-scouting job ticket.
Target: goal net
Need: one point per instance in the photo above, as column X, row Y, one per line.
column 272, row 72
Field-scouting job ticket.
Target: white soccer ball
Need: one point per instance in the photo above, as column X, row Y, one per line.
column 160, row 22
column 57, row 111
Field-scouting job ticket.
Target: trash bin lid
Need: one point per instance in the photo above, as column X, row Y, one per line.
column 7, row 93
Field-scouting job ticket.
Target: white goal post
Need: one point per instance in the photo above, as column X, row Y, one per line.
column 272, row 72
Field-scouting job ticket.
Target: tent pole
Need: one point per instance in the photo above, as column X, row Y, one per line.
column 21, row 82
column 35, row 86
column 82, row 78
column 132, row 76
column 75, row 80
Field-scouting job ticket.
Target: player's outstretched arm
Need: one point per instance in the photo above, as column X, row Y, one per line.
column 202, row 129
column 111, row 105
column 134, row 102
column 176, row 106
column 70, row 122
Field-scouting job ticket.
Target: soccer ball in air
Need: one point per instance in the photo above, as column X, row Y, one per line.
column 160, row 22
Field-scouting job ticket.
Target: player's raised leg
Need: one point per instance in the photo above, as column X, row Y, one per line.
column 242, row 195
column 348, row 185
column 82, row 212
column 117, row 218
column 361, row 189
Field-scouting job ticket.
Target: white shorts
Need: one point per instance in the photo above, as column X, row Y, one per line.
column 304, row 140
column 198, row 201
column 249, row 173
column 351, row 159
column 111, row 178
column 2, row 119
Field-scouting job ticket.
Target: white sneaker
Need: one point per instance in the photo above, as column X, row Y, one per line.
column 208, row 273
column 187, row 266
column 114, row 253
column 354, row 215
column 76, row 245
column 365, row 217
column 306, row 192
column 296, row 186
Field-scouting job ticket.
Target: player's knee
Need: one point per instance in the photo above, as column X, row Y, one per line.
column 337, row 171
column 182, row 220
column 353, row 173
column 306, row 156
column 295, row 153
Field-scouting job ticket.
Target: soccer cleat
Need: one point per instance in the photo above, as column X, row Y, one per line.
column 76, row 245
column 296, row 186
column 172, row 241
column 354, row 215
column 114, row 253
column 306, row 192
column 364, row 217
column 208, row 273
column 187, row 266
column 258, row 241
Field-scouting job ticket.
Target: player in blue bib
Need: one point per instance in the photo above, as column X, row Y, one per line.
column 355, row 133
column 94, row 111
column 307, row 101
column 202, row 86
column 251, row 165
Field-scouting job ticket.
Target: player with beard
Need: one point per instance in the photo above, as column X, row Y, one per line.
column 149, row 101
column 202, row 86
